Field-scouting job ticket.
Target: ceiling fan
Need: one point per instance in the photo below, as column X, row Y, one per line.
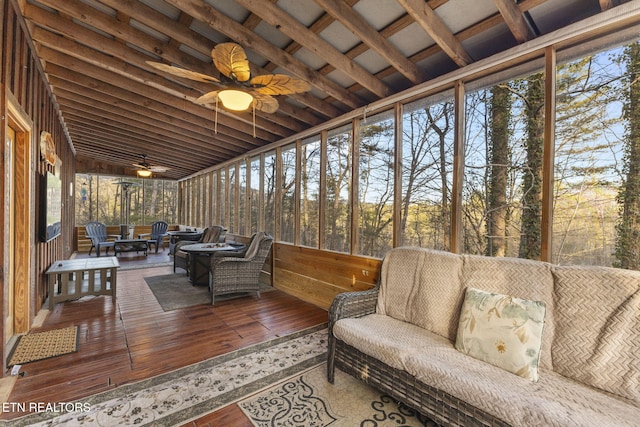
column 145, row 169
column 237, row 89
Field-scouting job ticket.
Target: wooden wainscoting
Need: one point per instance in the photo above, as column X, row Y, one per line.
column 317, row 276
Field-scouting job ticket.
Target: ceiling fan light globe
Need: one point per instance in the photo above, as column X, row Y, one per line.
column 144, row 173
column 235, row 100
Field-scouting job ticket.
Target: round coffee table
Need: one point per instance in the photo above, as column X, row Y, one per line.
column 200, row 259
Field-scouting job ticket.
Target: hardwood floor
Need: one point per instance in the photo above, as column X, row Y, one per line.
column 135, row 339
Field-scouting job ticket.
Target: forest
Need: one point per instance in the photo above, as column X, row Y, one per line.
column 338, row 190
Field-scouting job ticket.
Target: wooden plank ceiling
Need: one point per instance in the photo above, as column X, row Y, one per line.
column 352, row 52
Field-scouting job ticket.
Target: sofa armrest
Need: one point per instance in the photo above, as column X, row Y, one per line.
column 353, row 304
column 348, row 304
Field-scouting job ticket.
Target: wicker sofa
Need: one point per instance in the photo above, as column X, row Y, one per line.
column 400, row 338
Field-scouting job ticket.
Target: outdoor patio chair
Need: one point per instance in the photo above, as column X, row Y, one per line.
column 157, row 235
column 231, row 274
column 97, row 232
column 213, row 234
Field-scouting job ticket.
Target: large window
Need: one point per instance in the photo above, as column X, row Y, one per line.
column 591, row 129
column 288, row 194
column 427, row 162
column 309, row 191
column 115, row 200
column 269, row 192
column 338, row 188
column 590, row 193
column 376, row 166
column 242, row 198
column 254, row 194
column 502, row 202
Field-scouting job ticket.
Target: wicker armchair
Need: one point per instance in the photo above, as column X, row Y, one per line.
column 157, row 235
column 232, row 274
column 213, row 234
column 97, row 232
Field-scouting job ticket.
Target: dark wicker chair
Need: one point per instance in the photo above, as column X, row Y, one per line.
column 157, row 235
column 97, row 232
column 233, row 274
column 213, row 234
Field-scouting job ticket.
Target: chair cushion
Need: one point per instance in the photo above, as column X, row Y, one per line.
column 422, row 287
column 552, row 401
column 598, row 328
column 502, row 330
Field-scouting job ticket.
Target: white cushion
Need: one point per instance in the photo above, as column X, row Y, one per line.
column 502, row 330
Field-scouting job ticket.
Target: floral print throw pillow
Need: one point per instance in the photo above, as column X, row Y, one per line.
column 502, row 330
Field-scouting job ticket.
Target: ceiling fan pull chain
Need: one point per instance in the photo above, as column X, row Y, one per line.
column 254, row 118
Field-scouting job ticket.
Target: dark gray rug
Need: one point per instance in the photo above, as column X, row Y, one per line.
column 174, row 291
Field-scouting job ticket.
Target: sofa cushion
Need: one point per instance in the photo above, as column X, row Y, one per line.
column 502, row 330
column 598, row 328
column 521, row 278
column 552, row 401
column 385, row 338
column 422, row 287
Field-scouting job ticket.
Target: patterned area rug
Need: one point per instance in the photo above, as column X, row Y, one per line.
column 43, row 345
column 174, row 291
column 190, row 392
column 309, row 400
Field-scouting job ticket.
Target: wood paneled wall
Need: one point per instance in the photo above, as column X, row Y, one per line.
column 25, row 89
column 317, row 276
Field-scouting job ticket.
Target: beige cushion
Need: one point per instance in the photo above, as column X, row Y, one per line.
column 252, row 250
column 385, row 338
column 422, row 287
column 598, row 328
column 552, row 401
column 502, row 330
column 521, row 278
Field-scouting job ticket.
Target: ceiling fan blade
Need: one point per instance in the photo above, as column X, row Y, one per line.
column 207, row 98
column 181, row 72
column 158, row 169
column 265, row 103
column 141, row 165
column 231, row 60
column 279, row 84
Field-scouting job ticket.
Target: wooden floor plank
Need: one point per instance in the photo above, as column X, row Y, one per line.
column 135, row 338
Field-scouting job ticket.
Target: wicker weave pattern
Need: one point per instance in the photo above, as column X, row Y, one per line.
column 233, row 274
column 454, row 389
column 598, row 336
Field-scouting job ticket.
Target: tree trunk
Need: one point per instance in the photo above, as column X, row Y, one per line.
column 499, row 161
column 530, row 242
column 627, row 250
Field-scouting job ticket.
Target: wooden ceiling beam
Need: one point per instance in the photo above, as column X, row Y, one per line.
column 165, row 118
column 288, row 25
column 248, row 39
column 128, row 121
column 111, row 62
column 176, row 30
column 422, row 13
column 89, row 131
column 182, row 34
column 85, row 69
column 514, row 20
column 131, row 115
column 109, row 25
column 355, row 23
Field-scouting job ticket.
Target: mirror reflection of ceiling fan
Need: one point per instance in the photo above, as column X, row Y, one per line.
column 145, row 169
column 236, row 89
